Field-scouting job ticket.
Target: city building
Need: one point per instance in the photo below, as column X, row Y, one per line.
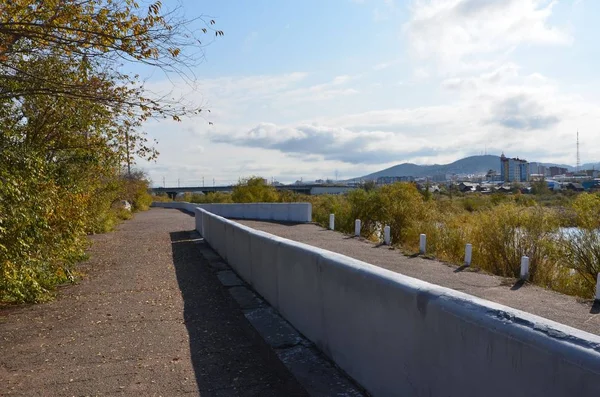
column 554, row 170
column 386, row 180
column 439, row 178
column 513, row 170
column 537, row 169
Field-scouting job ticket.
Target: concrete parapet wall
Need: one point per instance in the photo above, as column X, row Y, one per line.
column 281, row 212
column 399, row 336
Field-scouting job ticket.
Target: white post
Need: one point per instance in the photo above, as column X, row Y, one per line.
column 357, row 228
column 386, row 235
column 422, row 243
column 598, row 288
column 524, row 267
column 468, row 254
column 331, row 221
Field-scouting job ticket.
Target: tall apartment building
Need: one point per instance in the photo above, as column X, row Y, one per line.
column 537, row 169
column 558, row 171
column 513, row 170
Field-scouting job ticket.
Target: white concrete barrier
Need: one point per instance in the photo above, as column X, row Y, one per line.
column 397, row 335
column 357, row 228
column 281, row 212
column 422, row 244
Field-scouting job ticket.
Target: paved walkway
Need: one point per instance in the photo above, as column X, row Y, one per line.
column 151, row 319
column 561, row 308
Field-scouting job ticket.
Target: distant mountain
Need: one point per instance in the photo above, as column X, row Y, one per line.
column 468, row 165
column 590, row 166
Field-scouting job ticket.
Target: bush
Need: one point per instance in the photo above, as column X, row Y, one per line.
column 402, row 207
column 46, row 211
column 587, row 210
column 254, row 190
column 212, row 197
column 504, row 234
column 581, row 252
column 41, row 228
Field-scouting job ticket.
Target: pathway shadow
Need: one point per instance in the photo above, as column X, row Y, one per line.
column 228, row 356
column 461, row 268
column 595, row 309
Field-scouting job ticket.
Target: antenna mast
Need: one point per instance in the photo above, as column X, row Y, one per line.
column 578, row 158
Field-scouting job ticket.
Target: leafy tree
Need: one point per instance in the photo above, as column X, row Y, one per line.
column 540, row 187
column 70, row 120
column 368, row 185
column 587, row 208
column 254, row 190
column 96, row 33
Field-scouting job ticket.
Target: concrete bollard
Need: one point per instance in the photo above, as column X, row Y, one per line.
column 357, row 228
column 598, row 288
column 422, row 243
column 331, row 222
column 524, row 267
column 468, row 254
column 386, row 235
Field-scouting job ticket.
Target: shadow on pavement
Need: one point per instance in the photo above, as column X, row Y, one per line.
column 228, row 356
column 460, row 268
column 517, row 285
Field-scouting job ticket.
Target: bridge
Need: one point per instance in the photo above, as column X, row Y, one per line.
column 310, row 189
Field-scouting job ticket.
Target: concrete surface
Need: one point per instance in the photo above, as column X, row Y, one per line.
column 564, row 309
column 281, row 212
column 150, row 319
column 314, row 371
column 397, row 335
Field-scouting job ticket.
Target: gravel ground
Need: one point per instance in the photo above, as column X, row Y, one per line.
column 561, row 308
column 150, row 319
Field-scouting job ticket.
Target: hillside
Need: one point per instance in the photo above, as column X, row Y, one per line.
column 468, row 165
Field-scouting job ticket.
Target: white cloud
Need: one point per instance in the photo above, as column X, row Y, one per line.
column 296, row 136
column 382, row 65
column 453, row 33
column 421, row 74
column 499, row 75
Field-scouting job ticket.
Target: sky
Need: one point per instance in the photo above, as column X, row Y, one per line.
column 309, row 89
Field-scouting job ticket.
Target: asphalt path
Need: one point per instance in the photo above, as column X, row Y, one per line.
column 149, row 319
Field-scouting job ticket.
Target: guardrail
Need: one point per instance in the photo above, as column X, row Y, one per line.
column 281, row 212
column 397, row 335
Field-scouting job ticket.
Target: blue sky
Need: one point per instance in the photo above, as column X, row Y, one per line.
column 302, row 89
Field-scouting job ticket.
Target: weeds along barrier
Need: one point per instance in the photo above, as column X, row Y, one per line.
column 524, row 273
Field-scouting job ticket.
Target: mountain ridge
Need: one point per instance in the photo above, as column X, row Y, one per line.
column 468, row 165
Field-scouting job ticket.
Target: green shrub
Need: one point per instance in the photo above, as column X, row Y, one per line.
column 254, row 190
column 581, row 252
column 504, row 234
